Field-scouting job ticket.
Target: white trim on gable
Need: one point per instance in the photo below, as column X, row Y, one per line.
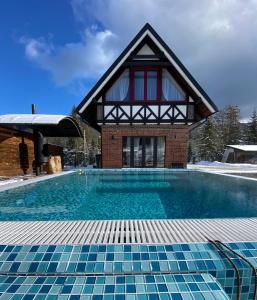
column 172, row 61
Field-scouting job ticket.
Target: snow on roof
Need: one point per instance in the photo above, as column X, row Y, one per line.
column 30, row 119
column 48, row 125
column 244, row 147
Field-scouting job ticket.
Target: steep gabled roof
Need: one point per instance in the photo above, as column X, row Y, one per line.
column 148, row 30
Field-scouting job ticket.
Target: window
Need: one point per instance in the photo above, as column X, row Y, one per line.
column 152, row 85
column 145, row 85
column 120, row 89
column 170, row 89
column 139, row 86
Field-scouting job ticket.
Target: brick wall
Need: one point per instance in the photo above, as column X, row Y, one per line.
column 176, row 137
column 16, row 153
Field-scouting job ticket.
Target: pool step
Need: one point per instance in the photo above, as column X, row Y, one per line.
column 134, row 287
column 107, row 260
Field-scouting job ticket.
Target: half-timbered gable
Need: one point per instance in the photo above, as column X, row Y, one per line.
column 146, row 86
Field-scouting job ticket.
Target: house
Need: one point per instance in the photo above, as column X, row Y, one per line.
column 144, row 106
column 240, row 154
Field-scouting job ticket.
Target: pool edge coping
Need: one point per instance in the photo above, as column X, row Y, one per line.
column 34, row 180
column 229, row 175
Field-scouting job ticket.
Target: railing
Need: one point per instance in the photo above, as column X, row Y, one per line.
column 154, row 113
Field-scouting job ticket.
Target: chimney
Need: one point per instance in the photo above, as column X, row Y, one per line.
column 33, row 109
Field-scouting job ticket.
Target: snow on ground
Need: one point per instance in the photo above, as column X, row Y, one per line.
column 223, row 167
column 9, row 181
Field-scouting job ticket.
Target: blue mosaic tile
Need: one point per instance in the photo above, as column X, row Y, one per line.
column 137, row 287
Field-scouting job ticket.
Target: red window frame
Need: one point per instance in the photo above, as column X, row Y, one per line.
column 145, row 69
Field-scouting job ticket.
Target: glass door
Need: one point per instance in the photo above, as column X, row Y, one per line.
column 149, row 152
column 160, row 151
column 143, row 152
column 126, row 153
column 137, row 152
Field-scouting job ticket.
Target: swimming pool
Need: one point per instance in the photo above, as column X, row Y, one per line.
column 131, row 195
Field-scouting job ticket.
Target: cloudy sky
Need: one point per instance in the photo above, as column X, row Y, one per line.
column 53, row 51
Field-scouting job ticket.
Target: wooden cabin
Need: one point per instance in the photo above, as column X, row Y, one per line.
column 144, row 106
column 24, row 148
column 16, row 152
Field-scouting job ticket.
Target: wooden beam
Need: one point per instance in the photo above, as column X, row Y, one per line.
column 145, row 56
column 146, row 63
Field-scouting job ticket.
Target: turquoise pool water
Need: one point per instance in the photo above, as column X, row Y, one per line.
column 131, row 195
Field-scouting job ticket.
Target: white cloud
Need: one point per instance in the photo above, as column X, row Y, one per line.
column 85, row 59
column 35, row 48
column 215, row 39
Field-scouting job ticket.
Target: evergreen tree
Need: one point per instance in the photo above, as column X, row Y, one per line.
column 252, row 129
column 208, row 141
column 92, row 151
column 74, row 143
column 221, row 123
column 231, row 130
column 78, row 151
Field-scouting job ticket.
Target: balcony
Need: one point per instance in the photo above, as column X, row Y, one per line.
column 168, row 112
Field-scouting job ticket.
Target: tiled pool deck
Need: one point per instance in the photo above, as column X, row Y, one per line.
column 143, row 272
